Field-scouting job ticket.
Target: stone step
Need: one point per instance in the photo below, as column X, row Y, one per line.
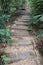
column 24, row 20
column 25, row 17
column 19, row 27
column 25, row 62
column 26, row 14
column 21, row 23
column 18, row 53
column 15, row 57
column 22, row 41
column 21, row 51
column 19, row 32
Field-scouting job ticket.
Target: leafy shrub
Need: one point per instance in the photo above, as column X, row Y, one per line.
column 38, row 21
column 16, row 5
column 4, row 35
column 7, row 7
column 11, row 6
column 3, row 59
column 3, row 20
column 36, row 6
column 39, row 44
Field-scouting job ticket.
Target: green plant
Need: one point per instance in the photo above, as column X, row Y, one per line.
column 36, row 25
column 11, row 6
column 3, row 59
column 15, row 6
column 36, row 9
column 38, row 21
column 3, row 20
column 4, row 35
column 7, row 7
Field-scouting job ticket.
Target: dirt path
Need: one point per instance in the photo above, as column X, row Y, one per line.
column 22, row 50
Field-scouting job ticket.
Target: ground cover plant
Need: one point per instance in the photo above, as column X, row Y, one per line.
column 37, row 21
column 4, row 37
column 3, row 58
column 36, row 9
column 7, row 9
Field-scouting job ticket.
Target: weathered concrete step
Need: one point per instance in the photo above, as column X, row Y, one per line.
column 24, row 20
column 26, row 13
column 19, row 27
column 25, row 62
column 22, row 41
column 13, row 49
column 17, row 53
column 21, row 23
column 21, row 55
column 25, row 17
column 19, row 32
column 25, row 23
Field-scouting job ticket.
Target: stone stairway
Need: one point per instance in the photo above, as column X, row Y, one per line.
column 21, row 52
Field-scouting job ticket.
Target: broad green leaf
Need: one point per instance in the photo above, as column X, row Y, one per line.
column 41, row 18
column 9, row 41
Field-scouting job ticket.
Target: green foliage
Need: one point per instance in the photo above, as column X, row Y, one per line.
column 9, row 41
column 11, row 6
column 7, row 8
column 3, row 59
column 40, row 34
column 38, row 21
column 3, row 20
column 15, row 5
column 4, row 35
column 36, row 6
column 30, row 28
column 41, row 18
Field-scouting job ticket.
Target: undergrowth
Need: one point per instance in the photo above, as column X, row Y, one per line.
column 3, row 59
column 36, row 24
column 7, row 9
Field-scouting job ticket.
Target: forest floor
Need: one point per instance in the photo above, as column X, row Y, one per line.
column 22, row 51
